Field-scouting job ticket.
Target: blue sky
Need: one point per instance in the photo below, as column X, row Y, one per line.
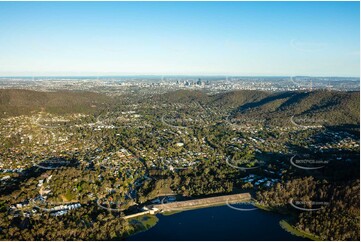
column 202, row 38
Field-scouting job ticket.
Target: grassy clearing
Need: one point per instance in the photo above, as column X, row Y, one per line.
column 262, row 207
column 142, row 223
column 172, row 212
column 293, row 230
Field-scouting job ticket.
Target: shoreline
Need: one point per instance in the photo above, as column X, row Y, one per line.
column 297, row 232
column 287, row 226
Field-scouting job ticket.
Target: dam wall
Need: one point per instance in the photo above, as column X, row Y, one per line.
column 202, row 202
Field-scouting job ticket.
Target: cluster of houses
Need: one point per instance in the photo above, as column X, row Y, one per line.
column 167, row 199
column 63, row 209
column 131, row 114
column 4, row 178
column 256, row 143
column 66, row 207
column 100, row 127
column 257, row 181
column 22, row 208
column 16, row 170
column 28, row 209
column 59, row 213
column 126, row 116
column 18, row 158
column 179, row 162
column 114, row 159
column 346, row 143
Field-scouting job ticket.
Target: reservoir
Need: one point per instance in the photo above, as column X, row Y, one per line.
column 217, row 223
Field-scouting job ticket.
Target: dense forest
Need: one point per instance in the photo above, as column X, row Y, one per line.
column 334, row 108
column 24, row 102
column 311, row 108
column 331, row 209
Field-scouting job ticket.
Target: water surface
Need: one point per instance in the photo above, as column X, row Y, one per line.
column 217, row 223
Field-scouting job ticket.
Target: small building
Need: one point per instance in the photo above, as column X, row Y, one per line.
column 156, row 200
column 171, row 199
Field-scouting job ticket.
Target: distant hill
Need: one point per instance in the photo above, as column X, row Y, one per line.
column 324, row 107
column 182, row 96
column 18, row 102
column 227, row 99
column 329, row 108
column 320, row 107
column 236, row 98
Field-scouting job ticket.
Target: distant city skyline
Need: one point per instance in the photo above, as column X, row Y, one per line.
column 180, row 38
column 130, row 75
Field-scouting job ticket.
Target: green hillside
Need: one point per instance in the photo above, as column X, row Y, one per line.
column 18, row 102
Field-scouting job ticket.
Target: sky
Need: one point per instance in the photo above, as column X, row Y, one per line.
column 180, row 38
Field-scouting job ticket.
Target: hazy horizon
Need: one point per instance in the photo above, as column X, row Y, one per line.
column 168, row 75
